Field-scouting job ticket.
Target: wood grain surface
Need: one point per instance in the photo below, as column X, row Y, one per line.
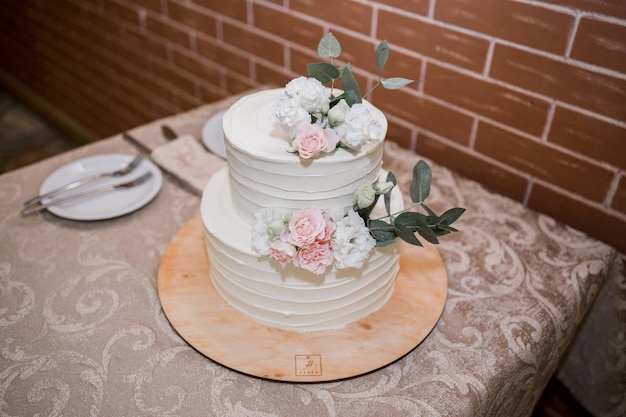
column 214, row 328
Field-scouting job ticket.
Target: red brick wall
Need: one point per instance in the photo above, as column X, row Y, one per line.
column 528, row 97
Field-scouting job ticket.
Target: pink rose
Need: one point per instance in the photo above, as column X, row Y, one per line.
column 311, row 139
column 328, row 232
column 315, row 257
column 306, row 226
column 283, row 252
column 332, row 138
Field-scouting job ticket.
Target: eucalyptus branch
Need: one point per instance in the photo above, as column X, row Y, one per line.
column 397, row 213
column 391, row 228
column 372, row 89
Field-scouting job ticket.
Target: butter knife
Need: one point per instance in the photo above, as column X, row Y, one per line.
column 87, row 193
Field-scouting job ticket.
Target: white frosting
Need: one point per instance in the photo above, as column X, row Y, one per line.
column 287, row 298
column 262, row 173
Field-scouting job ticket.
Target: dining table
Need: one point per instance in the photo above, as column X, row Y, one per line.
column 83, row 331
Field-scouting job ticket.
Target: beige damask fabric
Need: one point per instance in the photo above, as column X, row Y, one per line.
column 82, row 332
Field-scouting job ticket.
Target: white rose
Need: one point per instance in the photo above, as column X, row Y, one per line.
column 310, row 91
column 364, row 196
column 360, row 127
column 290, row 115
column 266, row 230
column 337, row 114
column 381, row 188
column 352, row 242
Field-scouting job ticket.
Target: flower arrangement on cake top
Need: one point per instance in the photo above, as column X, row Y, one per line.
column 315, row 120
column 318, row 122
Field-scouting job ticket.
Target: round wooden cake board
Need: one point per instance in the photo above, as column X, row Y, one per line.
column 214, row 328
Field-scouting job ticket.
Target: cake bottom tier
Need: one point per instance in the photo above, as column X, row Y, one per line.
column 287, row 297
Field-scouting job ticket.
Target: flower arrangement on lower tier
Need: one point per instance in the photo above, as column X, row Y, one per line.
column 314, row 240
column 317, row 121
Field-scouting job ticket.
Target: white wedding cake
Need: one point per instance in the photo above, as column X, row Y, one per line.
column 262, row 174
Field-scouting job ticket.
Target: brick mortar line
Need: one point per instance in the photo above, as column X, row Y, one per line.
column 250, row 13
column 413, row 139
column 549, row 119
column 374, row 25
column 573, row 10
column 528, row 191
column 488, row 59
column 613, row 187
column 431, row 9
column 473, row 133
column 572, row 37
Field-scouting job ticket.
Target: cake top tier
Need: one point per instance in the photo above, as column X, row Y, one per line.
column 250, row 127
column 264, row 172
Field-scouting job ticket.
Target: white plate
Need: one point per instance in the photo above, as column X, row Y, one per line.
column 110, row 204
column 213, row 135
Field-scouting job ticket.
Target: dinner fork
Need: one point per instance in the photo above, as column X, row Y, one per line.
column 87, row 193
column 126, row 169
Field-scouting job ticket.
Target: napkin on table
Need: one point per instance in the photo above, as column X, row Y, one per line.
column 188, row 160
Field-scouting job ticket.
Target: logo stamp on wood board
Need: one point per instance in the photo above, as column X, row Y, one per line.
column 308, row 365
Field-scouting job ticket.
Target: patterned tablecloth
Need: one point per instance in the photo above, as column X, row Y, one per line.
column 82, row 332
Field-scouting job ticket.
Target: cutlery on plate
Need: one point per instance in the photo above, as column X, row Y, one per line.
column 87, row 193
column 126, row 169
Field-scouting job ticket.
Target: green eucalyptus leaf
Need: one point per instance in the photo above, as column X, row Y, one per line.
column 420, row 185
column 382, row 243
column 381, row 231
column 323, row 71
column 418, row 222
column 440, row 232
column 378, row 223
column 443, row 229
column 351, row 97
column 395, row 83
column 410, row 218
column 430, row 213
column 428, row 234
column 406, row 234
column 382, row 53
column 349, row 84
column 451, row 215
column 329, row 47
column 387, row 197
